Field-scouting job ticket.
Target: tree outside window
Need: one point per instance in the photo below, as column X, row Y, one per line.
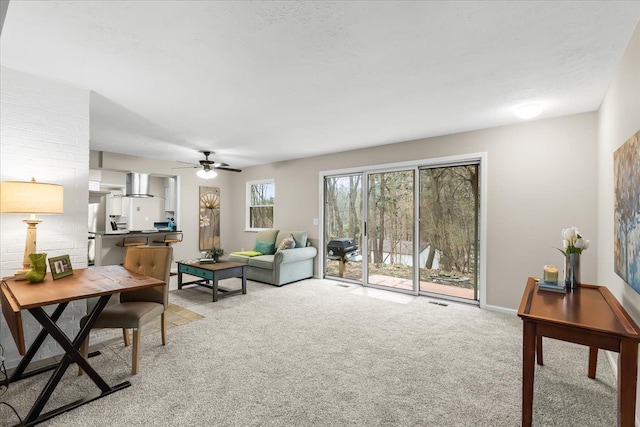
column 260, row 204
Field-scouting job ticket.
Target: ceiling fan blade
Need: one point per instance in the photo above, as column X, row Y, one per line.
column 224, row 168
column 187, row 167
column 220, row 165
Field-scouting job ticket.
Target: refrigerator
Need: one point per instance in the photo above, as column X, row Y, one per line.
column 96, row 223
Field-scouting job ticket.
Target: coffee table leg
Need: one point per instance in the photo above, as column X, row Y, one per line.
column 179, row 279
column 215, row 289
column 244, row 280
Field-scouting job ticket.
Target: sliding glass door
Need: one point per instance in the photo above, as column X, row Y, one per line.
column 417, row 229
column 448, row 231
column 343, row 220
column 390, row 229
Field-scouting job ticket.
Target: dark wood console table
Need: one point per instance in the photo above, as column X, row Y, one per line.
column 589, row 316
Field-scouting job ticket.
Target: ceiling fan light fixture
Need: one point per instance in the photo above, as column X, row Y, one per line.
column 207, row 174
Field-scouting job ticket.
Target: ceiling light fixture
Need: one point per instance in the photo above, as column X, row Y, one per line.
column 528, row 111
column 207, row 173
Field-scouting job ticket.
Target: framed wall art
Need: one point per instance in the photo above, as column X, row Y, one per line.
column 209, row 222
column 60, row 267
column 626, row 246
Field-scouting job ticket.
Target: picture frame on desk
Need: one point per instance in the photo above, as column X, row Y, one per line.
column 60, row 267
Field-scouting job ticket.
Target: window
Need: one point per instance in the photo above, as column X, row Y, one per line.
column 260, row 204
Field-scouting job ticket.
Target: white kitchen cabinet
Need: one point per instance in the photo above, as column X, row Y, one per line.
column 170, row 195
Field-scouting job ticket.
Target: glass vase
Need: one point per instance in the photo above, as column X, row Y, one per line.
column 572, row 272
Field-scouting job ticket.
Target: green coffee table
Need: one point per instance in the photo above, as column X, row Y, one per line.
column 213, row 273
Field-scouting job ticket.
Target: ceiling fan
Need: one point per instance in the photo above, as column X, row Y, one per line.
column 207, row 166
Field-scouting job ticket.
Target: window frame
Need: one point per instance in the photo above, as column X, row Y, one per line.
column 248, row 204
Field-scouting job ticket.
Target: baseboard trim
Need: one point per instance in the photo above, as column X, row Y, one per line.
column 500, row 309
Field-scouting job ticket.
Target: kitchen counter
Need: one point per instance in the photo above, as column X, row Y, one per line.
column 134, row 233
column 107, row 251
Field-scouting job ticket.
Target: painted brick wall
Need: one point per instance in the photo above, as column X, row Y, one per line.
column 44, row 133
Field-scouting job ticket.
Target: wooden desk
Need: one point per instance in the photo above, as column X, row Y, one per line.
column 214, row 272
column 589, row 316
column 99, row 282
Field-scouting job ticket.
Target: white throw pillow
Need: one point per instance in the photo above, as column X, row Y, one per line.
column 287, row 243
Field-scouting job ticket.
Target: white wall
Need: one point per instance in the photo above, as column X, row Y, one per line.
column 618, row 119
column 44, row 133
column 538, row 183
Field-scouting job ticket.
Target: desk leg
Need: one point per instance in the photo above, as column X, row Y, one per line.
column 18, row 373
column 593, row 362
column 627, row 380
column 179, row 278
column 528, row 371
column 72, row 354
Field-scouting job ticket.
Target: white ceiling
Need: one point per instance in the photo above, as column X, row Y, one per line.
column 259, row 82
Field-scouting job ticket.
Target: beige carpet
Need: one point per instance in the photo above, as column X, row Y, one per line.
column 316, row 353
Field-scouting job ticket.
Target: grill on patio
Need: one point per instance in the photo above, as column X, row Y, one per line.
column 343, row 250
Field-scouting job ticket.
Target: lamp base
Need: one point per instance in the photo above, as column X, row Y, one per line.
column 21, row 274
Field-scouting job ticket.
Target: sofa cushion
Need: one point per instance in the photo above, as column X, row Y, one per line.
column 248, row 253
column 267, row 235
column 263, row 261
column 286, row 243
column 266, row 248
column 242, row 259
column 300, row 237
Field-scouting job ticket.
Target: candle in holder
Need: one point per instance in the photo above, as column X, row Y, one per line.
column 550, row 274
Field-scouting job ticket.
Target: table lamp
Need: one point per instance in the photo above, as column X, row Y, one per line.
column 30, row 198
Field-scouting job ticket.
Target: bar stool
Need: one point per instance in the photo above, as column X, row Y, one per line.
column 128, row 243
column 169, row 238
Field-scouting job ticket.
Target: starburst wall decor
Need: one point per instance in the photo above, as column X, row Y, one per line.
column 209, row 222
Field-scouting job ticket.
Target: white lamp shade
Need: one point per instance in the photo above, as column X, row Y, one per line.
column 31, row 197
column 207, row 174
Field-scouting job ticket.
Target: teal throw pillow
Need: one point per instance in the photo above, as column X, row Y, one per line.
column 265, row 248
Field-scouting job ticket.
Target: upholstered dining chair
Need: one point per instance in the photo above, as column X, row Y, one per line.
column 136, row 308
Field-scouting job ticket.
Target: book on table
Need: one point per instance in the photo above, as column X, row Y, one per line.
column 552, row 287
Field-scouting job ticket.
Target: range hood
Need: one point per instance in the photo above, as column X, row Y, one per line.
column 137, row 185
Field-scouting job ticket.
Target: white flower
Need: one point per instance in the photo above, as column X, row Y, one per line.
column 573, row 243
column 570, row 233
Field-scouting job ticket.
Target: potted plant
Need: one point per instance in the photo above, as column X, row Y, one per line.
column 215, row 253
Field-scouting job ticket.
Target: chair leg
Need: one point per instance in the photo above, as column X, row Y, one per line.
column 125, row 336
column 163, row 328
column 84, row 350
column 135, row 351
